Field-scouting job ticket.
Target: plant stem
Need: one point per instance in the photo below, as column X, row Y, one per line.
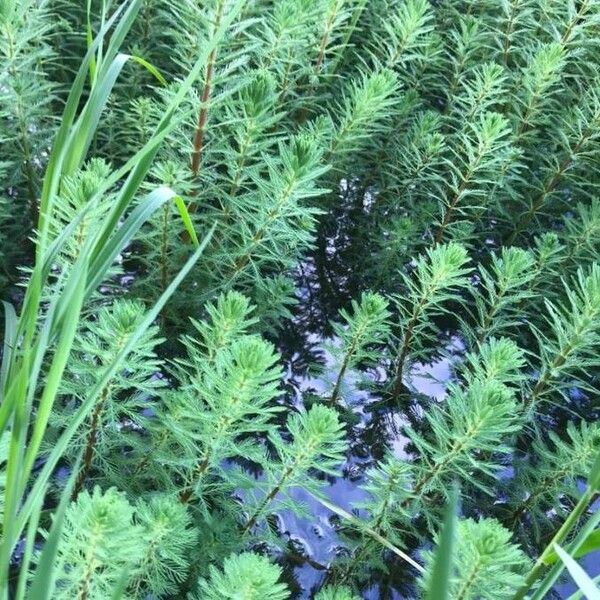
column 348, row 356
column 404, row 351
column 508, row 32
column 204, row 98
column 540, row 564
column 583, row 8
column 449, row 212
column 188, row 492
column 550, row 186
column 90, row 447
column 357, row 12
column 267, row 500
column 464, row 590
column 325, row 37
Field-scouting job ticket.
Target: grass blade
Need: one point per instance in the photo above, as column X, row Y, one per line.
column 10, row 337
column 356, row 521
column 187, row 221
column 150, row 68
column 44, row 578
column 439, row 588
column 581, row 578
column 36, row 493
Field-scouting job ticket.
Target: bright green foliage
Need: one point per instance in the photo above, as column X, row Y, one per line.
column 99, row 543
column 388, row 488
column 466, row 434
column 436, row 278
column 336, row 593
column 227, row 319
column 470, row 429
column 236, row 390
column 577, row 132
column 168, row 540
column 102, row 338
column 317, row 441
column 26, row 124
column 76, row 191
column 257, row 102
column 406, row 34
column 488, row 565
column 228, row 394
column 514, row 22
column 479, row 93
column 360, row 335
column 80, row 203
column 389, row 510
column 501, row 293
column 552, row 472
column 392, row 197
column 247, row 576
column 581, row 235
column 227, row 381
column 361, row 111
column 317, row 444
column 121, row 399
column 567, row 346
column 559, row 256
column 475, row 420
column 3, row 460
column 497, row 359
column 542, row 71
column 481, row 149
column 264, row 223
column 280, row 220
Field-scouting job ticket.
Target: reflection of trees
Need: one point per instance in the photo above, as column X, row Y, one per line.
column 343, row 263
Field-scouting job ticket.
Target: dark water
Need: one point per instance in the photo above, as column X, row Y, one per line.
column 326, row 281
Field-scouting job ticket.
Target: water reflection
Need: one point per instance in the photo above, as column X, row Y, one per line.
column 334, row 273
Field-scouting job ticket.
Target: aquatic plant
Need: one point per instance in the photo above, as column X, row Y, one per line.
column 266, row 264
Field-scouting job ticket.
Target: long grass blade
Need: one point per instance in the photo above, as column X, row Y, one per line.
column 369, row 531
column 552, row 576
column 44, row 579
column 36, row 493
column 10, row 338
column 581, row 578
column 439, row 581
column 187, row 221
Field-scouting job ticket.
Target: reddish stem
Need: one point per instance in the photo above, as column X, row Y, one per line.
column 204, row 98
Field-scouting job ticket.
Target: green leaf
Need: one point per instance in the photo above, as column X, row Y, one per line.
column 90, row 41
column 444, row 555
column 10, row 332
column 111, row 248
column 594, row 478
column 591, row 544
column 185, row 217
column 44, row 577
column 64, row 134
column 581, row 578
column 58, row 449
column 358, row 523
column 7, row 8
column 150, row 67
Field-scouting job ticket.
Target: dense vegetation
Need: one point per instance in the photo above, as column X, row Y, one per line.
column 239, row 237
